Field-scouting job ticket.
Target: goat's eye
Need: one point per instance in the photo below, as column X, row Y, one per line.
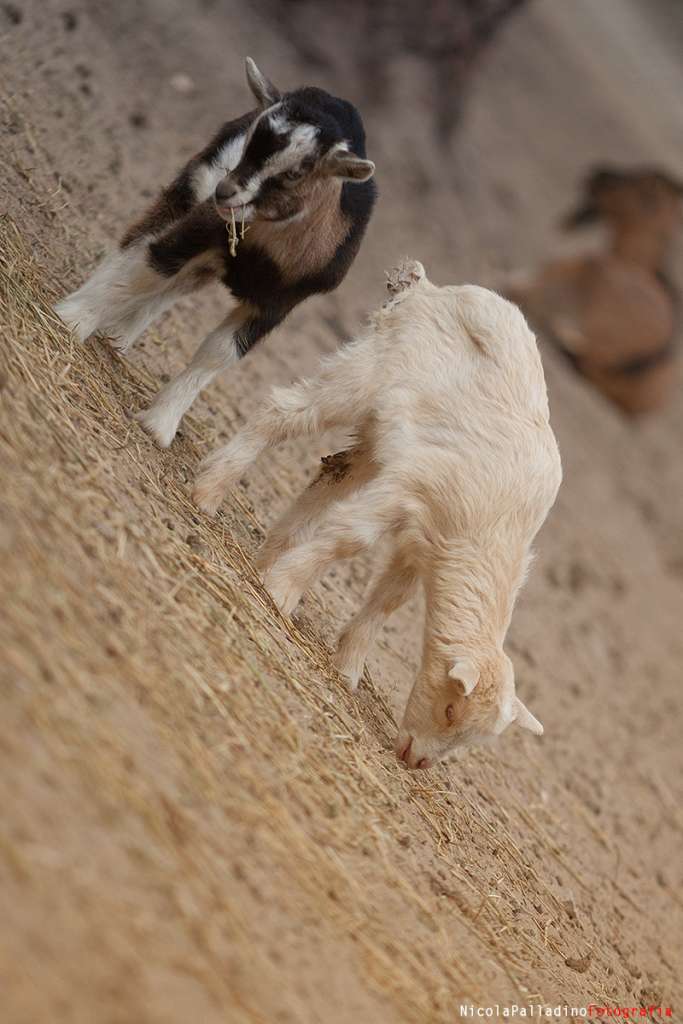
column 293, row 175
column 450, row 712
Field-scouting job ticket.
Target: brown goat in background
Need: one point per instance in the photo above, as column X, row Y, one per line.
column 613, row 312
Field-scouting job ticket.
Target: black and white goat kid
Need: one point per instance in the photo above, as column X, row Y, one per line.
column 295, row 171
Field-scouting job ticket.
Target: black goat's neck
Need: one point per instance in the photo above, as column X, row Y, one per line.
column 305, row 245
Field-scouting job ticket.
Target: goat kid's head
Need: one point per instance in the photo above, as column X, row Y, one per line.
column 458, row 703
column 644, row 197
column 292, row 146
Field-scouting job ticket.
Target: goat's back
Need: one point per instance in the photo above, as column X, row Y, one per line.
column 462, row 410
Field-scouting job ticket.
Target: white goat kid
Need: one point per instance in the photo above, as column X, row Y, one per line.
column 455, row 463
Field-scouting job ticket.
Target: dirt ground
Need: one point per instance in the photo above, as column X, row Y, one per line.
column 198, row 823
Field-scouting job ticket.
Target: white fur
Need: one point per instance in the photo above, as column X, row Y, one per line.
column 278, row 121
column 207, row 176
column 216, row 353
column 114, row 298
column 301, row 144
column 124, row 295
column 457, row 464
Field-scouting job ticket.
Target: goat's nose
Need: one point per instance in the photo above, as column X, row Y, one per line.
column 225, row 190
column 405, row 753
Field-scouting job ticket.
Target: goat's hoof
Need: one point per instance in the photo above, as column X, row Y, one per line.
column 283, row 594
column 78, row 321
column 158, row 424
column 206, row 496
column 211, row 485
column 119, row 343
column 263, row 562
column 349, row 672
column 351, row 680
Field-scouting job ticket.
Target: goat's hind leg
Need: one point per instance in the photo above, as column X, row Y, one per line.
column 339, row 397
column 126, row 292
column 340, row 476
column 347, row 528
column 121, row 298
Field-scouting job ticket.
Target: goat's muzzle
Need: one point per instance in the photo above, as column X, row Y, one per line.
column 225, row 191
column 404, row 752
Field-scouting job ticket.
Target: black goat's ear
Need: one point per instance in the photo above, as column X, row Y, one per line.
column 263, row 89
column 339, row 163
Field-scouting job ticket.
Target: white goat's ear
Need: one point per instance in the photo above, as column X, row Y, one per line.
column 466, row 673
column 265, row 92
column 524, row 718
column 339, row 163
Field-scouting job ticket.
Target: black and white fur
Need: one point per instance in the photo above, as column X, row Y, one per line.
column 295, row 169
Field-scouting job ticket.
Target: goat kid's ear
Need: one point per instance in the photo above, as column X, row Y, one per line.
column 339, row 163
column 585, row 213
column 466, row 673
column 263, row 89
column 524, row 718
column 588, row 211
column 675, row 183
column 602, row 176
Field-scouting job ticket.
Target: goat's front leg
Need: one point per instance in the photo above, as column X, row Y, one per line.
column 219, row 350
column 346, row 529
column 391, row 590
column 340, row 397
column 340, row 476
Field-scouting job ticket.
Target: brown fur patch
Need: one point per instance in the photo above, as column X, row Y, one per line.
column 302, row 248
column 336, row 466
